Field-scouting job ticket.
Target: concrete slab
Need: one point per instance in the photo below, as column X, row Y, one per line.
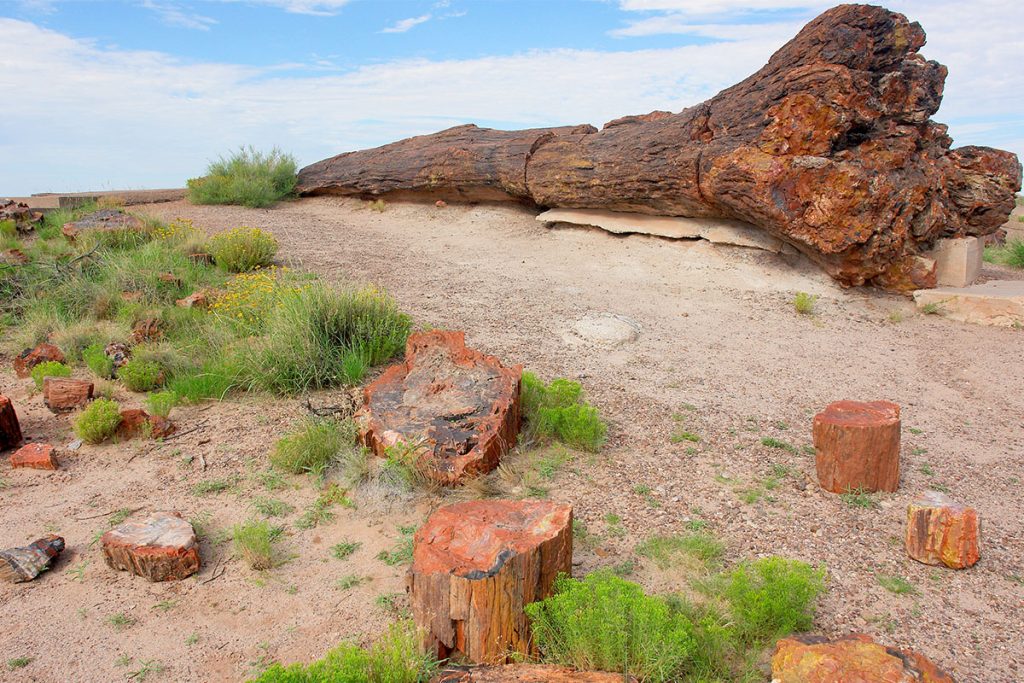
column 957, row 261
column 998, row 302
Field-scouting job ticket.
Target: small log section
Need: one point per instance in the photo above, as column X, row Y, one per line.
column 61, row 394
column 29, row 358
column 161, row 547
column 855, row 657
column 477, row 564
column 10, row 430
column 941, row 531
column 857, row 446
column 526, row 673
column 38, row 456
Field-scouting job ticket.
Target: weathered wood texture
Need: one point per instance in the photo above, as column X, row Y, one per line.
column 29, row 358
column 857, row 446
column 18, row 565
column 61, row 394
column 477, row 564
column 854, row 658
column 161, row 547
column 829, row 147
column 10, row 429
column 941, row 531
column 526, row 673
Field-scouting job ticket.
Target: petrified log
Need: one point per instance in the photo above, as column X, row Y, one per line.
column 455, row 408
column 477, row 564
column 29, row 358
column 104, row 220
column 136, row 422
column 857, row 446
column 941, row 531
column 61, row 394
column 161, row 547
column 18, row 565
column 37, row 456
column 526, row 673
column 829, row 147
column 856, row 657
column 10, row 429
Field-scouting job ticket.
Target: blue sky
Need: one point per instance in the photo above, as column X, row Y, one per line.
column 143, row 93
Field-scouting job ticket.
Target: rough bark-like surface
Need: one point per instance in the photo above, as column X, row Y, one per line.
column 813, row 659
column 477, row 564
column 457, row 408
column 136, row 422
column 857, row 446
column 161, row 547
column 38, row 456
column 29, row 358
column 941, row 531
column 19, row 213
column 829, row 147
column 27, row 562
column 105, row 220
column 10, row 429
column 526, row 673
column 61, row 394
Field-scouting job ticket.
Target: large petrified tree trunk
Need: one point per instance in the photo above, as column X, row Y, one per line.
column 829, row 147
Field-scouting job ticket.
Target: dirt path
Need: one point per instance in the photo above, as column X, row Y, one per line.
column 719, row 347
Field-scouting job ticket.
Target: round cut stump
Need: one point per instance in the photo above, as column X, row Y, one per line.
column 477, row 564
column 161, row 547
column 61, row 394
column 941, row 531
column 857, row 446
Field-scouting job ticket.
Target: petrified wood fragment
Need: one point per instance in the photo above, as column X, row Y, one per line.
column 29, row 358
column 455, row 408
column 38, row 456
column 19, row 213
column 857, row 446
column 477, row 564
column 161, row 547
column 856, row 657
column 10, row 429
column 829, row 147
column 526, row 673
column 941, row 531
column 61, row 394
column 18, row 565
column 104, row 220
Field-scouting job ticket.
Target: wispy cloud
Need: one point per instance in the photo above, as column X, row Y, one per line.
column 173, row 15
column 313, row 7
column 405, row 24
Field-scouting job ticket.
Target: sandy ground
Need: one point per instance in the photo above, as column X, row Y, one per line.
column 720, row 347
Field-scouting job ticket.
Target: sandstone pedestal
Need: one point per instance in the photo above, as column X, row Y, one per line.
column 997, row 302
column 853, row 658
column 477, row 564
column 37, row 456
column 161, row 547
column 941, row 531
column 857, row 446
column 957, row 261
column 29, row 358
column 457, row 408
column 10, row 430
column 526, row 673
column 61, row 394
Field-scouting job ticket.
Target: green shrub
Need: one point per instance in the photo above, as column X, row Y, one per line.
column 558, row 411
column 140, row 375
column 161, row 403
column 255, row 541
column 96, row 359
column 248, row 177
column 312, row 446
column 50, row 368
column 804, row 302
column 608, row 624
column 243, row 249
column 771, row 597
column 98, row 421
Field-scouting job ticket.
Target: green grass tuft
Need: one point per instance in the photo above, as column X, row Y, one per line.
column 666, row 551
column 771, row 597
column 161, row 403
column 804, row 303
column 97, row 361
column 255, row 543
column 313, row 445
column 558, row 411
column 98, row 421
column 140, row 375
column 896, row 584
column 247, row 177
column 1010, row 254
column 50, row 368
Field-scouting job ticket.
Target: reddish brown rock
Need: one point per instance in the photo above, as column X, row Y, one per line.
column 458, row 408
column 61, row 394
column 15, row 257
column 105, row 220
column 829, row 147
column 138, row 423
column 27, row 562
column 37, row 456
column 857, row 446
column 941, row 531
column 195, row 300
column 441, row 204
column 145, row 330
column 132, row 296
column 29, row 358
column 851, row 659
column 10, row 429
column 526, row 673
column 19, row 213
column 161, row 547
column 170, row 279
column 476, row 564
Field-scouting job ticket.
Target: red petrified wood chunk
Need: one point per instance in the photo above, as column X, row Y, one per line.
column 858, row 446
column 147, row 329
column 29, row 358
column 136, row 422
column 476, row 564
column 61, row 394
column 194, row 300
column 22, row 564
column 36, row 456
column 456, row 407
column 10, row 430
column 106, row 220
column 941, row 531
column 526, row 673
column 813, row 659
column 161, row 547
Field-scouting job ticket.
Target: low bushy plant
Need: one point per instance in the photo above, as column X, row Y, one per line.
column 98, row 421
column 558, row 411
column 312, row 446
column 140, row 375
column 255, row 541
column 804, row 303
column 50, row 368
column 247, row 177
column 1010, row 254
column 214, row 380
column 96, row 359
column 771, row 597
column 243, row 249
column 161, row 403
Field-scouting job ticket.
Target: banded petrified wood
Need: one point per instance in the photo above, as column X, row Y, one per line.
column 829, row 147
column 854, row 658
column 857, row 446
column 10, row 429
column 477, row 564
column 941, row 531
column 160, row 547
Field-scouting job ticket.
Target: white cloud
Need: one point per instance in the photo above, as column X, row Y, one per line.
column 406, row 24
column 314, row 7
column 172, row 15
column 716, row 6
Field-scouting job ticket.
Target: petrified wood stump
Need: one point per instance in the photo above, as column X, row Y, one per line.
column 29, row 358
column 526, row 673
column 38, row 456
column 829, row 147
column 856, row 657
column 61, row 394
column 457, row 408
column 941, row 531
column 161, row 547
column 857, row 446
column 10, row 430
column 477, row 564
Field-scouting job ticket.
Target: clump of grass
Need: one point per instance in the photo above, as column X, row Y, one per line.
column 896, row 584
column 271, row 507
column 320, row 511
column 558, row 411
column 255, row 543
column 683, row 435
column 140, row 375
column 402, row 552
column 312, row 446
column 161, row 403
column 344, row 549
column 858, row 498
column 18, row 663
column 50, row 368
column 804, row 303
column 210, row 486
column 243, row 249
column 772, row 442
column 933, row 308
column 97, row 361
column 349, row 581
column 771, row 597
column 120, row 621
column 98, row 421
column 666, row 551
column 247, row 177
column 214, row 380
column 1010, row 254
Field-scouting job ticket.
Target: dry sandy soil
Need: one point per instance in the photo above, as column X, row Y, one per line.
column 719, row 346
